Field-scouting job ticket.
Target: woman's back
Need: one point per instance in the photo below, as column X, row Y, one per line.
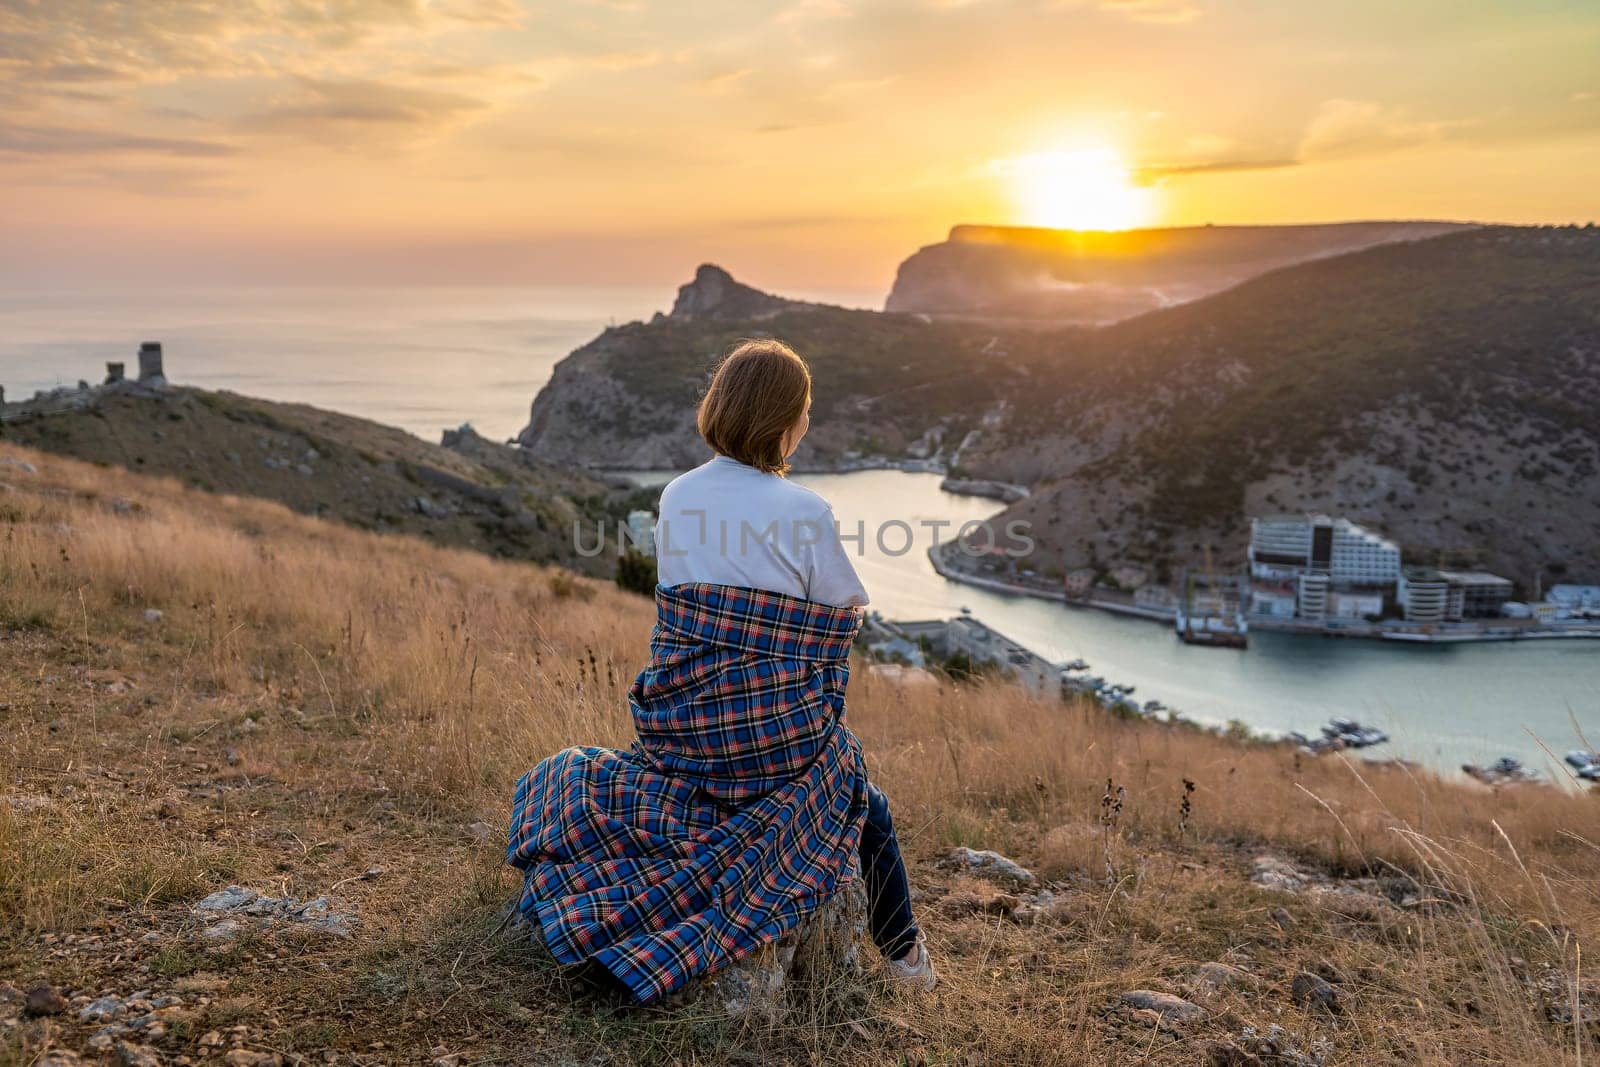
column 728, row 523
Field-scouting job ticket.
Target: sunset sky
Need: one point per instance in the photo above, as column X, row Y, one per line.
column 806, row 143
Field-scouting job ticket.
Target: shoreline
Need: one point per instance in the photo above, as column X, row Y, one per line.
column 1349, row 630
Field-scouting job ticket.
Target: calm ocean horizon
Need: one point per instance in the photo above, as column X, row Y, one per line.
column 424, row 358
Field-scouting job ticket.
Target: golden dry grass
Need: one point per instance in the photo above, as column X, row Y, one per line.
column 315, row 701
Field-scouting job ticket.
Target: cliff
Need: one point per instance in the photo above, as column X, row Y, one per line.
column 713, row 293
column 887, row 387
column 1060, row 277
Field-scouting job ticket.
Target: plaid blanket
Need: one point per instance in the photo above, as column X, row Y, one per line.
column 736, row 812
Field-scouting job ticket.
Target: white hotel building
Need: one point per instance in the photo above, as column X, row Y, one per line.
column 1316, row 567
column 1283, row 547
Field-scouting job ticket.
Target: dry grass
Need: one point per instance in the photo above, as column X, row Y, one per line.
column 315, row 701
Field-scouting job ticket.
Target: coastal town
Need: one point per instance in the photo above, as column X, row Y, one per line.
column 1310, row 574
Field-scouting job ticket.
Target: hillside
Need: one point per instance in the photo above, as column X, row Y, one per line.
column 887, row 386
column 476, row 494
column 1064, row 277
column 1443, row 390
column 200, row 691
column 1446, row 391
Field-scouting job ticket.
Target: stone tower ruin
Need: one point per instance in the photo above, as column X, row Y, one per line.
column 150, row 371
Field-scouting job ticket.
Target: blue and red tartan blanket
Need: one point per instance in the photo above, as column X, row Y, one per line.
column 735, row 813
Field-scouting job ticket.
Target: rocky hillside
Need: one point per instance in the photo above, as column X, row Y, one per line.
column 1444, row 390
column 1062, row 277
column 476, row 493
column 888, row 387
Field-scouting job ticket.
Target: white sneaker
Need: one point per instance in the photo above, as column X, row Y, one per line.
column 914, row 971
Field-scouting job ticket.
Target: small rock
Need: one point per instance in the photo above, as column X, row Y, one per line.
column 45, row 1000
column 211, row 1039
column 1274, row 873
column 152, row 615
column 1171, row 1008
column 1310, row 991
column 243, row 1057
column 58, row 1057
column 480, row 832
column 233, row 898
column 226, row 930
column 232, row 756
column 826, row 945
column 1212, row 978
column 988, row 862
column 131, row 1055
column 101, row 1009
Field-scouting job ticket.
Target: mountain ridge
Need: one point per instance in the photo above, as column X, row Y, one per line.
column 1051, row 277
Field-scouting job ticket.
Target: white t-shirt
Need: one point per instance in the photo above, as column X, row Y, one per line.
column 730, row 524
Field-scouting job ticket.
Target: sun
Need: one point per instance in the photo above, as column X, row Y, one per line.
column 1080, row 189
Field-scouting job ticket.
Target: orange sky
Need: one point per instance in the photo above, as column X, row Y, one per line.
column 806, row 143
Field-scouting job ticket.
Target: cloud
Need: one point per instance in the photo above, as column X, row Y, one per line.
column 159, row 40
column 1156, row 171
column 1344, row 128
column 21, row 140
column 321, row 107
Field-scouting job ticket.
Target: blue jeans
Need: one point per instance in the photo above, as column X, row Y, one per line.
column 889, row 919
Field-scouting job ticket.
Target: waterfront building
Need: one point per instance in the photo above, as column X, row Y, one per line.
column 1077, row 583
column 1287, row 546
column 1311, row 596
column 1426, row 595
column 1362, row 605
column 1482, row 595
column 1576, row 597
column 1430, row 595
column 1275, row 601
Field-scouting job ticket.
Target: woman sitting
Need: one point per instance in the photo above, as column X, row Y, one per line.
column 745, row 801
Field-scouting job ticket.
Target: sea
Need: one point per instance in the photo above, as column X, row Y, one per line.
column 436, row 358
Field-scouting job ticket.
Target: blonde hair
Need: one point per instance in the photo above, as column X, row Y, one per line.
column 757, row 393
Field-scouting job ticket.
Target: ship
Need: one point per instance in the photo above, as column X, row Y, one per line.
column 1211, row 609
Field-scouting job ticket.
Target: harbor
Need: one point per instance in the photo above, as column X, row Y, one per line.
column 1443, row 703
